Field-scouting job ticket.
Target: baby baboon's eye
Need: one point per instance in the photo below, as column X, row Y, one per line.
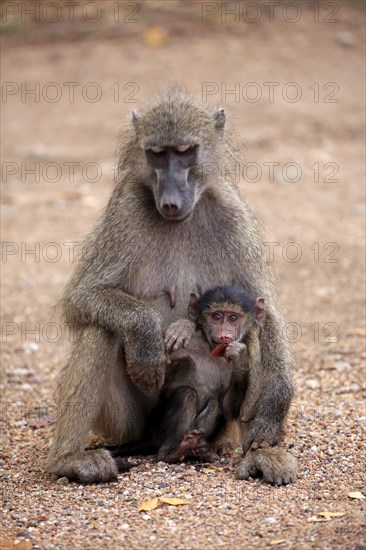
column 233, row 318
column 216, row 316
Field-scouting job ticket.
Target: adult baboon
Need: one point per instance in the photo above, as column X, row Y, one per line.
column 171, row 226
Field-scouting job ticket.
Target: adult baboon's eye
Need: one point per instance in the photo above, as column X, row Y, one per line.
column 157, row 150
column 184, row 149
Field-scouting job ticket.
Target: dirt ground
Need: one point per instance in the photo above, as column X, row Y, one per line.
column 295, row 87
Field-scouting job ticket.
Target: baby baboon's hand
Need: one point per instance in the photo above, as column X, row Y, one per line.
column 178, row 334
column 235, row 350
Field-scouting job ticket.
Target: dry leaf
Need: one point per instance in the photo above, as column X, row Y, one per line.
column 356, row 494
column 155, row 36
column 277, row 541
column 328, row 364
column 326, row 516
column 149, row 505
column 155, row 502
column 314, row 519
column 331, row 514
column 357, row 332
column 15, row 545
column 174, row 501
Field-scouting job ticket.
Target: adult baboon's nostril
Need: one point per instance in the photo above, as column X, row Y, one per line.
column 170, row 208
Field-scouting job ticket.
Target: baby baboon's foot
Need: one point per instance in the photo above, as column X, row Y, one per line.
column 204, row 452
column 184, row 448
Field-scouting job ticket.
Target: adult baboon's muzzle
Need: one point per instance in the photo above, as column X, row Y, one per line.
column 171, row 200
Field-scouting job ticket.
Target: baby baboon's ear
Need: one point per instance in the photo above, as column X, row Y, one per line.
column 192, row 306
column 259, row 312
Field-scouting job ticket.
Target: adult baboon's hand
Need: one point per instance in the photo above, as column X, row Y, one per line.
column 146, row 358
column 262, row 433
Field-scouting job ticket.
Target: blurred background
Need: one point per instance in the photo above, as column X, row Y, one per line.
column 292, row 76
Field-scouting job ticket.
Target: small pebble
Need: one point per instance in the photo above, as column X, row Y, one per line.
column 342, row 366
column 270, row 520
column 313, row 384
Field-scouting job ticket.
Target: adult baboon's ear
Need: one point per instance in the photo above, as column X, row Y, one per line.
column 135, row 118
column 219, row 118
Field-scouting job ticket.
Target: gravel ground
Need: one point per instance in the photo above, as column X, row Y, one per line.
column 322, row 290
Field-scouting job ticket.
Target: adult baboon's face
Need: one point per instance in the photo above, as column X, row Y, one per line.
column 180, row 140
column 174, row 190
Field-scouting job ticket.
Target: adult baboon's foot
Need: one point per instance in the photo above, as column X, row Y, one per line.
column 276, row 465
column 87, row 467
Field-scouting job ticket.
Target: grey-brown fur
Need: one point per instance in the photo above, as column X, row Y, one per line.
column 117, row 294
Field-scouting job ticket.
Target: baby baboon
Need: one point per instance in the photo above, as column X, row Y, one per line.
column 207, row 378
column 213, row 365
column 173, row 222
